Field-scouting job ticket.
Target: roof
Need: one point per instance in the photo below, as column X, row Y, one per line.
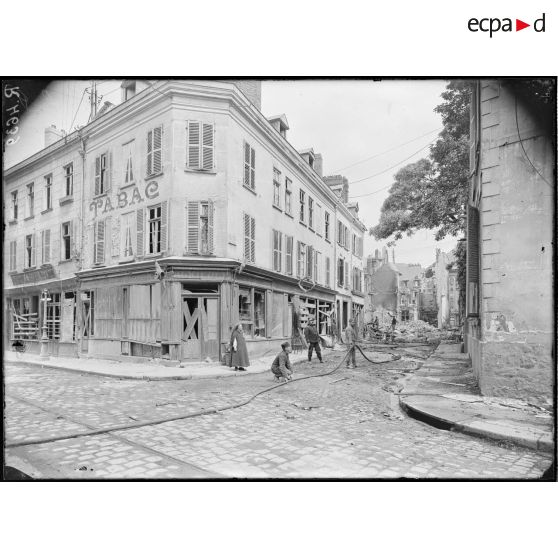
column 409, row 271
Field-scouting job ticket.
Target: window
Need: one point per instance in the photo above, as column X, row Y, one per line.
column 154, row 151
column 347, row 284
column 14, row 205
column 45, row 246
column 317, row 267
column 327, row 272
column 289, row 255
column 302, row 215
column 101, row 174
column 201, row 146
column 276, row 188
column 128, row 158
column 277, row 250
column 259, row 313
column 340, row 271
column 30, row 250
column 30, row 200
column 99, row 242
column 310, row 212
column 354, row 244
column 249, row 167
column 357, row 279
column 13, row 254
column 53, row 316
column 199, row 227
column 48, row 191
column 319, row 225
column 66, row 245
column 301, row 259
column 127, row 228
column 249, row 238
column 154, row 229
column 327, row 226
column 288, row 196
column 69, row 179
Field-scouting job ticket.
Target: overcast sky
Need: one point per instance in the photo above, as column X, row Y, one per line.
column 361, row 128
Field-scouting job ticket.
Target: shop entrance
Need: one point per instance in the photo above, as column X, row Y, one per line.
column 87, row 318
column 200, row 327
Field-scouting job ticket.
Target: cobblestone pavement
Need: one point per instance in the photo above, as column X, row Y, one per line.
column 345, row 425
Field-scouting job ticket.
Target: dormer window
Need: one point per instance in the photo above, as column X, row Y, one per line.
column 128, row 89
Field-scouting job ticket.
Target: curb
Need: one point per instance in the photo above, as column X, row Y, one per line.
column 482, row 429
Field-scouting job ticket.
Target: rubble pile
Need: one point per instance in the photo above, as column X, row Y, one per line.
column 417, row 331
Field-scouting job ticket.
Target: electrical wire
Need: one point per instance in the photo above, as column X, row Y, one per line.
column 522, row 147
column 387, row 151
column 75, row 115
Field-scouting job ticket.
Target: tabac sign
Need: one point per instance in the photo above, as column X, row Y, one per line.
column 124, row 199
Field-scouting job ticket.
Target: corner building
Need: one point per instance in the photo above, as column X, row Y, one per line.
column 190, row 212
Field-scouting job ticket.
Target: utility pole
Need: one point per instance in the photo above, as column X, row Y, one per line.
column 93, row 100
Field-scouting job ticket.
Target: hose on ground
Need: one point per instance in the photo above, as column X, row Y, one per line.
column 108, row 430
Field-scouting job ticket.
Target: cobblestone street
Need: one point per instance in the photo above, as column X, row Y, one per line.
column 344, row 425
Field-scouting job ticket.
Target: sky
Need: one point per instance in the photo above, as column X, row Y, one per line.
column 362, row 128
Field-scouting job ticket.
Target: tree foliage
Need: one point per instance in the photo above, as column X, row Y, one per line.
column 432, row 193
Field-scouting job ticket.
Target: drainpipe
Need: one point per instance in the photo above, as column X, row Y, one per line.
column 79, row 317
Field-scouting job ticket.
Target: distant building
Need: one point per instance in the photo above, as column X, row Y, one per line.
column 510, row 321
column 409, row 288
column 447, row 290
column 428, row 305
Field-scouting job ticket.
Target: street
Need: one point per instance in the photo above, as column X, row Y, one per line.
column 344, row 425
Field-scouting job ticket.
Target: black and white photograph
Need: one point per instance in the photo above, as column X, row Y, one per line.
column 279, row 278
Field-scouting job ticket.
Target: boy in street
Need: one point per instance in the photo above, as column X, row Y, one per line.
column 351, row 339
column 281, row 366
column 313, row 340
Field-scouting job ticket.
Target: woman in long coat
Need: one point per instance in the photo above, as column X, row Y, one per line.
column 239, row 352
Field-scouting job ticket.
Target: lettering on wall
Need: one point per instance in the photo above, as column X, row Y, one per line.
column 124, row 199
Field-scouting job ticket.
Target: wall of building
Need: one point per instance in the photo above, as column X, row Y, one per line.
column 514, row 343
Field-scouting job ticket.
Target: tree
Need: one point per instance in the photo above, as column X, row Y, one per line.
column 432, row 193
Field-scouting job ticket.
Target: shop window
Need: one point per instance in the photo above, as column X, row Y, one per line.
column 245, row 310
column 53, row 316
column 259, row 314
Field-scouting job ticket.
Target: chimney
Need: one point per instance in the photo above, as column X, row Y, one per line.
column 319, row 164
column 52, row 135
column 252, row 89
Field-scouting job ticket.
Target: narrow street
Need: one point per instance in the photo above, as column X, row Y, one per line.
column 344, row 425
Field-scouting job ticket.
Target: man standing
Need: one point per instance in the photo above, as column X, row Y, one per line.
column 351, row 339
column 281, row 366
column 313, row 340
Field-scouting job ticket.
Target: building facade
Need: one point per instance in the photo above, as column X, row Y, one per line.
column 447, row 290
column 509, row 324
column 172, row 217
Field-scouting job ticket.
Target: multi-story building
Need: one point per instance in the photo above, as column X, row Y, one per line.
column 168, row 219
column 409, row 288
column 447, row 289
column 510, row 243
column 428, row 305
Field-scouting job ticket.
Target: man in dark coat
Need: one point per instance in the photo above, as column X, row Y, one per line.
column 239, row 352
column 351, row 339
column 281, row 366
column 313, row 340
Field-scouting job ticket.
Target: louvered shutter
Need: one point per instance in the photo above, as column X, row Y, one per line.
column 210, row 221
column 149, row 153
column 193, row 145
column 252, row 168
column 207, row 147
column 246, row 164
column 109, row 172
column 347, row 284
column 99, row 246
column 473, row 263
column 46, row 246
column 253, row 240
column 97, row 175
column 33, row 251
column 157, row 150
column 164, row 226
column 72, row 233
column 140, row 241
column 246, row 236
column 193, row 220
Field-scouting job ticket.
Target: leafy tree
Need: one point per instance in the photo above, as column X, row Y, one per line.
column 432, row 193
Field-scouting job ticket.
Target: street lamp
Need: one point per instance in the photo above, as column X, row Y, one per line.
column 44, row 338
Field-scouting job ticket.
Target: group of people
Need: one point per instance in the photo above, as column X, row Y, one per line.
column 281, row 367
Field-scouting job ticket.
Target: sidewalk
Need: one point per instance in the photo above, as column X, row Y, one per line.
column 152, row 370
column 444, row 393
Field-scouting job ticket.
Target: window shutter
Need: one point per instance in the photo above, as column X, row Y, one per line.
column 207, row 146
column 99, row 247
column 347, row 284
column 149, row 153
column 164, row 225
column 97, row 175
column 253, row 240
column 210, row 219
column 72, row 243
column 194, row 145
column 252, row 168
column 246, row 164
column 157, row 150
column 140, row 246
column 109, row 172
column 33, row 251
column 246, row 236
column 193, row 220
column 46, row 246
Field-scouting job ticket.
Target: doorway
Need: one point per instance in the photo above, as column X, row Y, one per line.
column 200, row 327
column 87, row 319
